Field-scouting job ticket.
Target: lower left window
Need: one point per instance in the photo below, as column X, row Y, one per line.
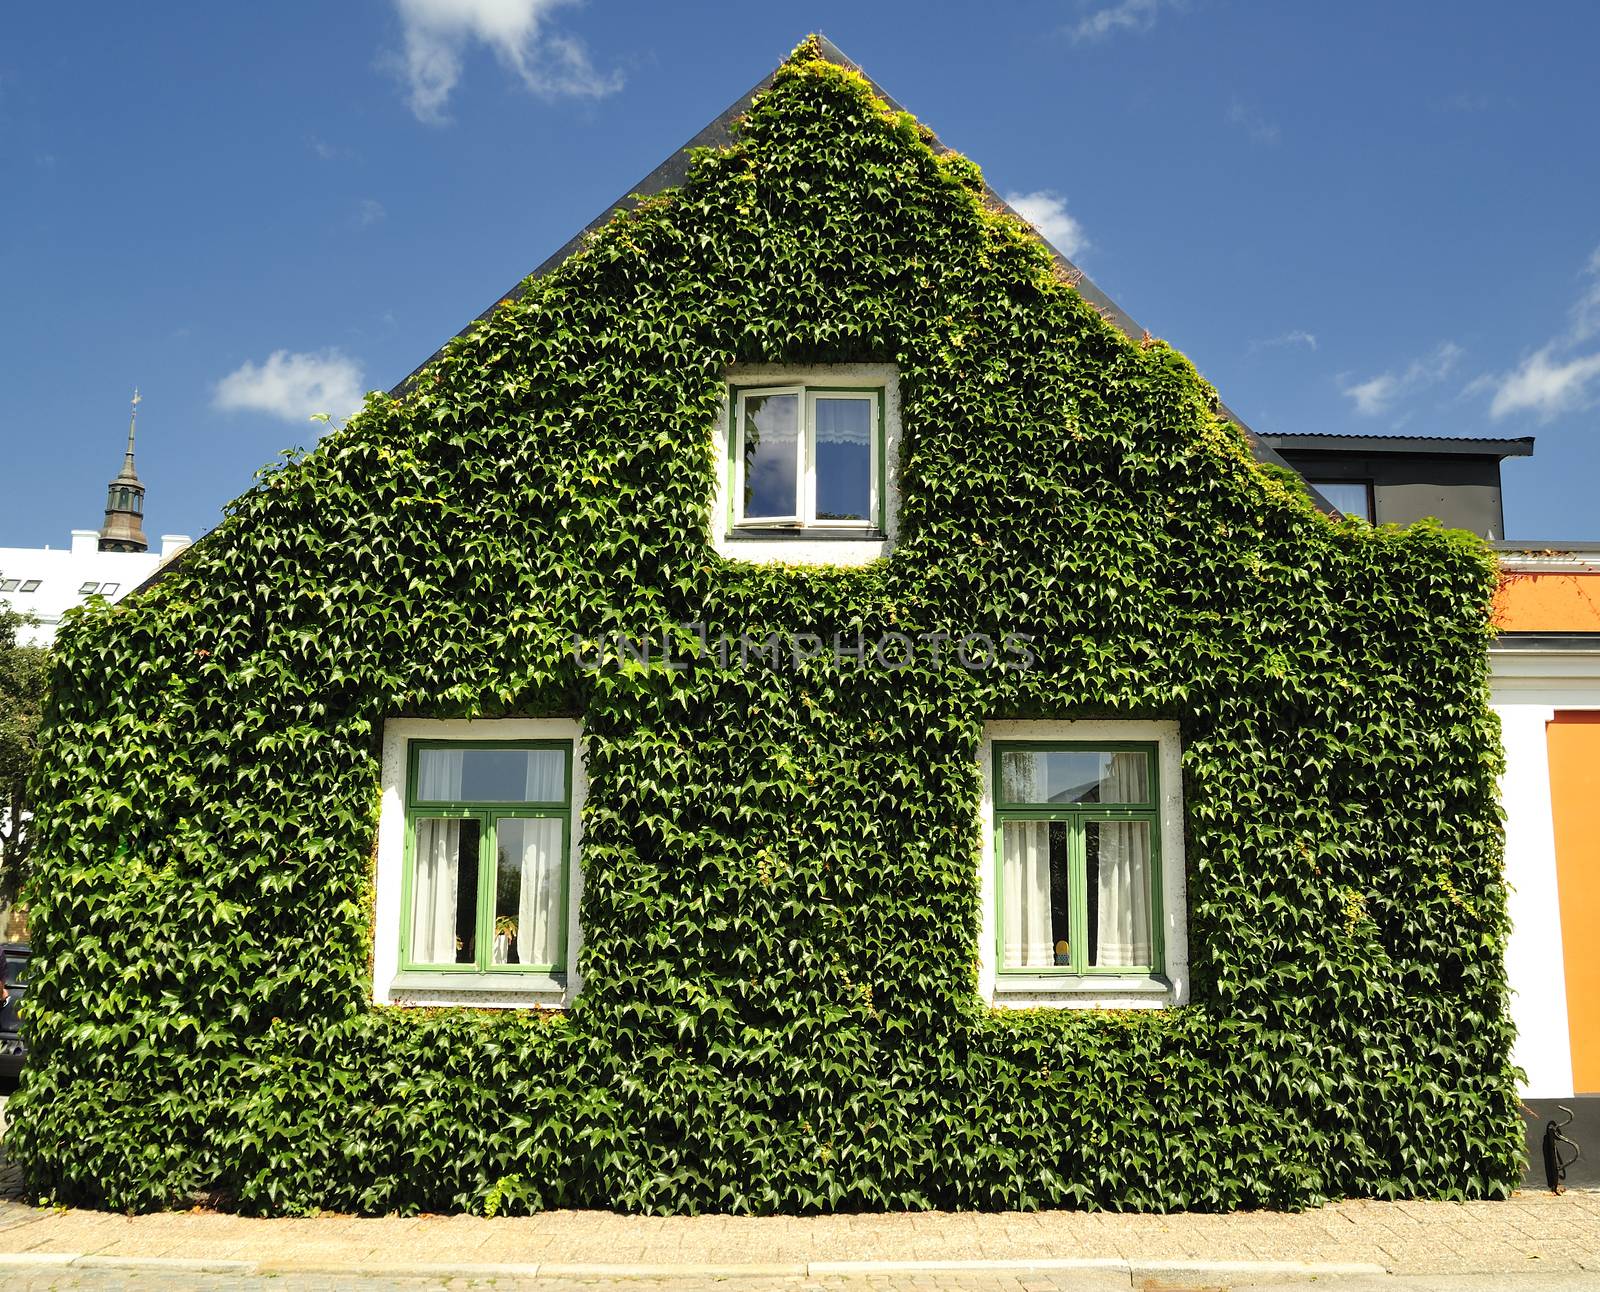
column 488, row 835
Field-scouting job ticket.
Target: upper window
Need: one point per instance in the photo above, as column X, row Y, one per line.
column 1352, row 497
column 1077, row 838
column 9, row 585
column 487, row 840
column 30, row 585
column 807, row 457
column 87, row 589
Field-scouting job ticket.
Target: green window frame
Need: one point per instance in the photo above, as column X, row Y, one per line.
column 488, row 815
column 1076, row 817
column 804, row 516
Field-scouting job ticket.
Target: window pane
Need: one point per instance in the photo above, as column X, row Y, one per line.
column 844, row 458
column 444, row 892
column 1074, row 776
column 9, row 585
column 489, row 775
column 1117, row 865
column 527, row 892
column 87, row 588
column 1349, row 496
column 109, row 589
column 31, row 585
column 771, row 449
column 1033, row 885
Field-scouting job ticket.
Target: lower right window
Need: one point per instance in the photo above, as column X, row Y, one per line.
column 1077, row 835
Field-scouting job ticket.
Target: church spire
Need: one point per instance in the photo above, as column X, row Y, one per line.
column 124, row 530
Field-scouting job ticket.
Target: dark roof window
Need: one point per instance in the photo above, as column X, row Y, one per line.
column 30, row 585
column 9, row 585
column 88, row 589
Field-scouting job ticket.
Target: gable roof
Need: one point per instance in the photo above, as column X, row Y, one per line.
column 719, row 134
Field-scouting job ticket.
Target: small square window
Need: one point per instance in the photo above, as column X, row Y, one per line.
column 807, row 457
column 109, row 589
column 30, row 585
column 88, row 589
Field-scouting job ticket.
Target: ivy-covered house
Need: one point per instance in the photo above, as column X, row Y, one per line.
column 803, row 705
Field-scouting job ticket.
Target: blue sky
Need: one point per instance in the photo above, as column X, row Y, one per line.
column 1363, row 217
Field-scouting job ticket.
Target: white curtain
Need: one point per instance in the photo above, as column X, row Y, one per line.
column 436, row 879
column 531, row 849
column 440, row 774
column 1123, row 927
column 540, row 914
column 1025, row 879
column 546, row 776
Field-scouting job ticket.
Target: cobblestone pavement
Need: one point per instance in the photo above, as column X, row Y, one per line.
column 110, row 1280
column 1530, row 1231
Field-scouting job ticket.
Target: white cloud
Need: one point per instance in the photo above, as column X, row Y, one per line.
column 1293, row 337
column 435, row 33
column 369, row 213
column 293, row 386
column 1046, row 211
column 1586, row 310
column 1252, row 122
column 1123, row 15
column 1545, row 386
column 1377, row 395
column 1554, row 379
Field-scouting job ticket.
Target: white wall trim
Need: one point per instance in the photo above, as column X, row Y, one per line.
column 485, row 989
column 803, row 551
column 1563, row 679
column 1552, row 561
column 1103, row 993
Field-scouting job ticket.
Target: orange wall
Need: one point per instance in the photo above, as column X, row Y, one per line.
column 1574, row 737
column 1550, row 603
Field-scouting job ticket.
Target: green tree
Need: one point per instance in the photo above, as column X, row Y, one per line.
column 22, row 692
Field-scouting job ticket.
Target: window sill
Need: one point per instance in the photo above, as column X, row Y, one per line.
column 804, row 533
column 1088, row 991
column 761, row 546
column 492, row 990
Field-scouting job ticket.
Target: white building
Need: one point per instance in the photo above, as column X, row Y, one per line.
column 46, row 582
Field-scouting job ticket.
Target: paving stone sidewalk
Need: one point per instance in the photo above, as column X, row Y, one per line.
column 1532, row 1231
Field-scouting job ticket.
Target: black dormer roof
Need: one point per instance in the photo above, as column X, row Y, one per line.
column 1425, row 445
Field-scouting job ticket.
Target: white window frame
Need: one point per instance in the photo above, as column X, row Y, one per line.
column 805, row 514
column 815, row 545
column 517, row 990
column 1014, row 990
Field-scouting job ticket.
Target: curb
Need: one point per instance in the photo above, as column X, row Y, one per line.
column 588, row 1270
